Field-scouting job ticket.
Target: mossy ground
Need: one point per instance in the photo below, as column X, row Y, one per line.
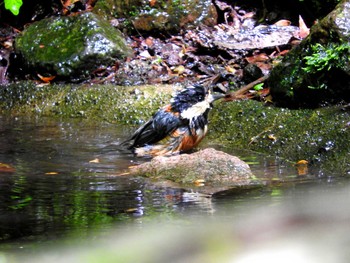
column 115, row 104
column 320, row 136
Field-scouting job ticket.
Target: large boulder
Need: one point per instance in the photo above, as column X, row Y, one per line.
column 71, row 47
column 161, row 15
column 317, row 72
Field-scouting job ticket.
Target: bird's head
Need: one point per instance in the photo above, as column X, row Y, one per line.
column 193, row 101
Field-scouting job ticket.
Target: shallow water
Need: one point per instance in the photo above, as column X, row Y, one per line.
column 68, row 182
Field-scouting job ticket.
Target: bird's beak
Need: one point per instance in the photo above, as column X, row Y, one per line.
column 214, row 97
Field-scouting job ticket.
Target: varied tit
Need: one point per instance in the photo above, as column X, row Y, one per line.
column 177, row 127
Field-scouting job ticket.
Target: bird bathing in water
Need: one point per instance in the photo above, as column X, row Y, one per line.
column 177, row 127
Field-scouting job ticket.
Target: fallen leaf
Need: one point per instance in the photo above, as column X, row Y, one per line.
column 179, row 70
column 131, row 210
column 51, row 173
column 304, row 30
column 199, row 182
column 302, row 167
column 94, row 161
column 261, row 57
column 46, row 79
column 152, row 2
column 6, row 168
column 272, row 137
column 283, row 22
column 149, row 41
column 230, row 69
column 302, row 162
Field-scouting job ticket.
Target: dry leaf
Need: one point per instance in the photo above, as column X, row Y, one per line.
column 302, row 167
column 6, row 168
column 272, row 137
column 283, row 22
column 230, row 69
column 152, row 2
column 131, row 210
column 149, row 41
column 304, row 30
column 179, row 70
column 46, row 79
column 94, row 161
column 302, row 162
column 51, row 173
column 261, row 57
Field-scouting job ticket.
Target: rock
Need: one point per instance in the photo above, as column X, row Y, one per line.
column 71, row 47
column 258, row 37
column 317, row 72
column 159, row 15
column 207, row 167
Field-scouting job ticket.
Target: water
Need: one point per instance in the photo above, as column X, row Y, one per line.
column 68, row 182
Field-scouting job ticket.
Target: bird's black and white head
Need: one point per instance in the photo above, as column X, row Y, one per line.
column 193, row 101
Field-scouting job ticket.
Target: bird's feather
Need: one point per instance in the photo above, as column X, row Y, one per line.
column 156, row 129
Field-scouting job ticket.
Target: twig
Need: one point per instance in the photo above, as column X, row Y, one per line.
column 239, row 94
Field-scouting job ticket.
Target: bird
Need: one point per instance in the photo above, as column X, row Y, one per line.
column 177, row 127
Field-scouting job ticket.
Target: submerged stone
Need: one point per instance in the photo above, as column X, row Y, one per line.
column 71, row 47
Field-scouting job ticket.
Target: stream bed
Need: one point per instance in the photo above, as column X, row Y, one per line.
column 68, row 181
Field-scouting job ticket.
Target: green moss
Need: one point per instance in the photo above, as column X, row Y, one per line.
column 332, row 55
column 105, row 103
column 69, row 45
column 320, row 136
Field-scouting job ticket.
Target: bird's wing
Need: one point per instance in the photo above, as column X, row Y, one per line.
column 161, row 125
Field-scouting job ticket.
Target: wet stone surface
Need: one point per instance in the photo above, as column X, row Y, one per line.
column 209, row 170
column 70, row 47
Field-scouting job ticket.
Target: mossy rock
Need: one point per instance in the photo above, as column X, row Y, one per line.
column 70, row 47
column 317, row 72
column 128, row 105
column 161, row 15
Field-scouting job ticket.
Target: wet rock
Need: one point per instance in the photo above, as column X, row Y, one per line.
column 207, row 167
column 71, row 47
column 317, row 72
column 259, row 37
column 159, row 15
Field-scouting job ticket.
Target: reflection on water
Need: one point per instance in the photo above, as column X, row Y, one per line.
column 67, row 182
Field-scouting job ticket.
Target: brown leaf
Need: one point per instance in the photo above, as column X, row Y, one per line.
column 230, row 69
column 261, row 57
column 51, row 173
column 152, row 2
column 302, row 167
column 199, row 182
column 283, row 22
column 46, row 79
column 302, row 162
column 179, row 70
column 304, row 30
column 6, row 168
column 149, row 41
column 272, row 137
